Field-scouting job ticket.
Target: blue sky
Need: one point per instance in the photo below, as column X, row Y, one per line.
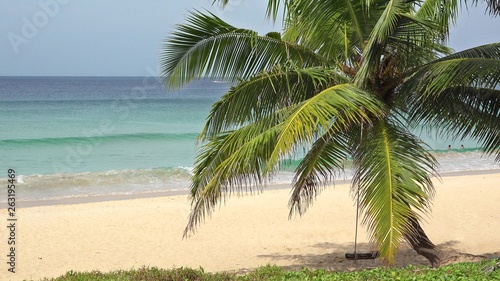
column 124, row 37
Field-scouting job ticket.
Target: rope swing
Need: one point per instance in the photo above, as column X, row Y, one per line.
column 363, row 256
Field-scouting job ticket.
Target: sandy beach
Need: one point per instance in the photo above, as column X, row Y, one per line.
column 247, row 232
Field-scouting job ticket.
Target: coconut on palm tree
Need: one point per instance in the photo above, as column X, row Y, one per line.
column 347, row 79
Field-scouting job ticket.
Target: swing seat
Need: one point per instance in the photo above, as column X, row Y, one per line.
column 362, row 256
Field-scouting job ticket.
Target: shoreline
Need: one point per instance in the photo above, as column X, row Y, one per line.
column 121, row 197
column 244, row 233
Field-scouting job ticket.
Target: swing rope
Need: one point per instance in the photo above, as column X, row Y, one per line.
column 356, row 228
column 357, row 215
column 356, row 256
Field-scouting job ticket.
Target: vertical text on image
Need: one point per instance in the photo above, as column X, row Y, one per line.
column 11, row 220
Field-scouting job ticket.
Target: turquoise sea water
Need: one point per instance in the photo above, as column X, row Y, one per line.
column 84, row 136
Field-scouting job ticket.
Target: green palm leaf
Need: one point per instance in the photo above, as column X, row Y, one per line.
column 393, row 183
column 375, row 48
column 207, row 45
column 251, row 154
column 230, row 162
column 265, row 93
column 477, row 67
column 463, row 112
column 322, row 163
column 442, row 12
column 313, row 21
column 336, row 108
column 459, row 95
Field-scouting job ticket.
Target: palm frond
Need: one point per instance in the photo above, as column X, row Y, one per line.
column 230, row 162
column 246, row 157
column 265, row 93
column 488, row 51
column 459, row 96
column 331, row 14
column 393, row 182
column 477, row 67
column 418, row 37
column 374, row 49
column 462, row 112
column 335, row 108
column 273, row 7
column 206, row 45
column 323, row 161
column 484, row 73
column 443, row 12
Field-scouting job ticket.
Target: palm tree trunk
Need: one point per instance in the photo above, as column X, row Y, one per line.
column 422, row 244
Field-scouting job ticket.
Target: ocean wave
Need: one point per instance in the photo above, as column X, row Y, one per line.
column 115, row 182
column 44, row 187
column 109, row 178
column 104, row 138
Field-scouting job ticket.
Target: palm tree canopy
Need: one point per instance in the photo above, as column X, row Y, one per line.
column 347, row 79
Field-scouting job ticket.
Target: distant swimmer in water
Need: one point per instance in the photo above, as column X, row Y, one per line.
column 449, row 147
column 462, row 146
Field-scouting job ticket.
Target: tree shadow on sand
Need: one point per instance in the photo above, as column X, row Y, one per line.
column 335, row 259
column 449, row 255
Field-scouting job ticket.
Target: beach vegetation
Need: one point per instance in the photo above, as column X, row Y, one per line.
column 346, row 79
column 484, row 270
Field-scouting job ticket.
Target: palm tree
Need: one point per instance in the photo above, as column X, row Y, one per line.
column 347, row 79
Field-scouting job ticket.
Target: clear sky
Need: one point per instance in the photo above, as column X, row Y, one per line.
column 124, row 37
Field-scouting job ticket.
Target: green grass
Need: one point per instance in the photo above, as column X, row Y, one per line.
column 460, row 271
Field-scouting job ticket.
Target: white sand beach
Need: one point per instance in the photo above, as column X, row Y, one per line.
column 247, row 232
